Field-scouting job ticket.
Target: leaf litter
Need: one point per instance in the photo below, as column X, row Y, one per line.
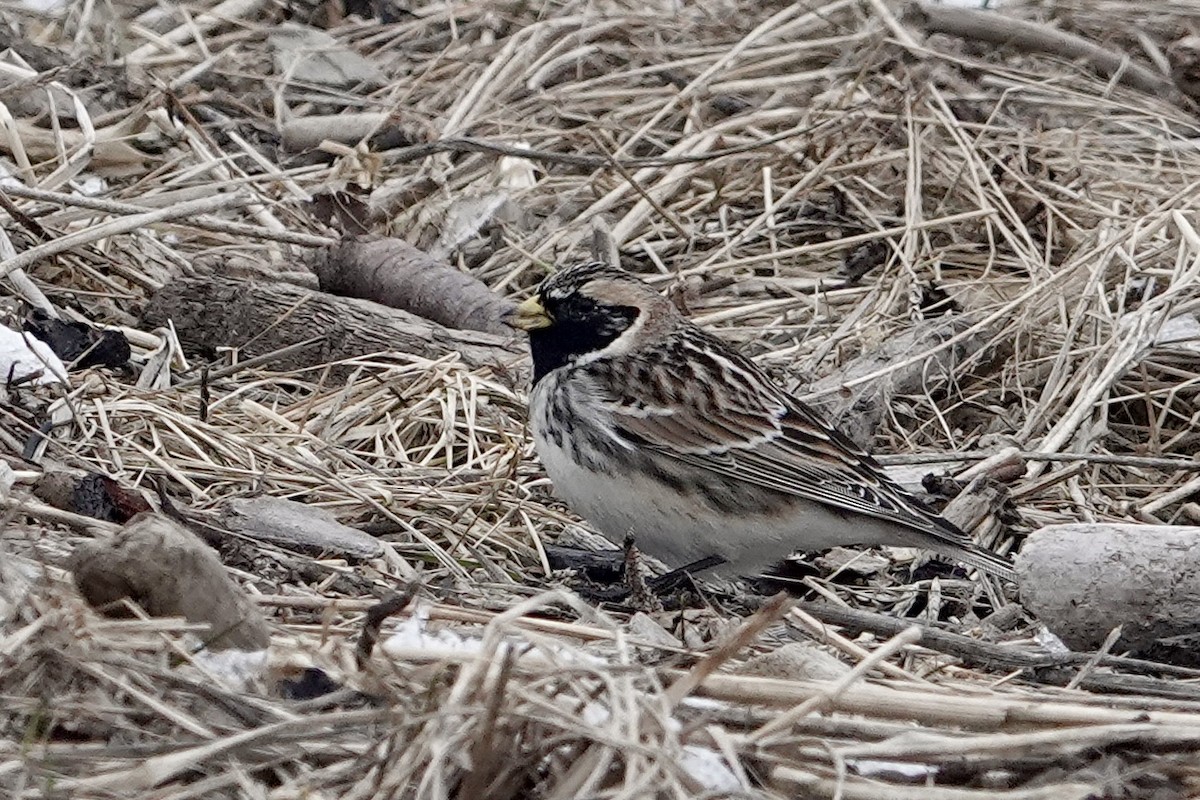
column 805, row 177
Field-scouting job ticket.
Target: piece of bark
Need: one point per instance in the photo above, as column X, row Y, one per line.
column 261, row 318
column 859, row 411
column 56, row 486
column 170, row 572
column 1031, row 37
column 79, row 345
column 1083, row 580
column 980, row 508
column 101, row 497
column 393, row 272
column 89, row 494
column 602, row 566
column 296, row 526
column 343, row 210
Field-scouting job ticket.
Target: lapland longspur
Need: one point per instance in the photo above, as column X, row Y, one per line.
column 649, row 425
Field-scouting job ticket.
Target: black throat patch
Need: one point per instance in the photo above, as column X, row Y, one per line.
column 580, row 327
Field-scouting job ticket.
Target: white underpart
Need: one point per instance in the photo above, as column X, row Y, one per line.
column 679, row 529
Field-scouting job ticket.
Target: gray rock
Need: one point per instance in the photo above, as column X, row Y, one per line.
column 1083, row 580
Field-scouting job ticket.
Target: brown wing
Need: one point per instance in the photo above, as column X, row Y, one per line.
column 753, row 431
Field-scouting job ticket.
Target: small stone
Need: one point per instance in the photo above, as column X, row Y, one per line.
column 1082, row 580
column 796, row 661
column 169, row 572
column 645, row 629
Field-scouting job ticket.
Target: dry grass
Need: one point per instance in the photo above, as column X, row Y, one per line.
column 749, row 153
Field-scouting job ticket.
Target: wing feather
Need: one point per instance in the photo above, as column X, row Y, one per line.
column 756, row 433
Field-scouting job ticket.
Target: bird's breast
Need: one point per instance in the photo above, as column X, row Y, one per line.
column 571, row 425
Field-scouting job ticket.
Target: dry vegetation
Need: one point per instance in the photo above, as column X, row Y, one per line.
column 810, row 178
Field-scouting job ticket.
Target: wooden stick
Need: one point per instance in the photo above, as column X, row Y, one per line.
column 121, row 225
column 1032, row 37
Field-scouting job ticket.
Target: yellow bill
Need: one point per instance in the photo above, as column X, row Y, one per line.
column 531, row 315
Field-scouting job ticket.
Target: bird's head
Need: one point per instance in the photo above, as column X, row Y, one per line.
column 587, row 311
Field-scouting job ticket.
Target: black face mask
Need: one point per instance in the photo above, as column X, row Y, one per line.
column 581, row 326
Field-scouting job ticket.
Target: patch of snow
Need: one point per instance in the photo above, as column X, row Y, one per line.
column 708, row 768
column 238, row 669
column 48, row 7
column 92, row 186
column 22, row 355
column 412, row 633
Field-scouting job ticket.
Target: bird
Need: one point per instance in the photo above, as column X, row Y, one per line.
column 648, row 425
